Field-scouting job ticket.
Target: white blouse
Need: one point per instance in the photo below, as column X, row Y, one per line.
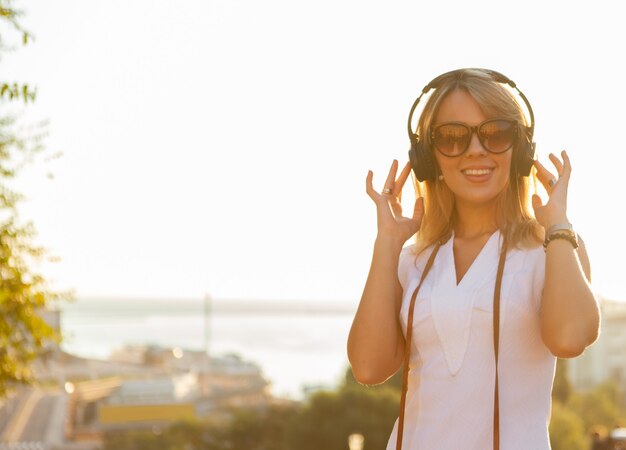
column 449, row 402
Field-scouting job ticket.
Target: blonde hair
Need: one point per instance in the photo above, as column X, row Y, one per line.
column 515, row 217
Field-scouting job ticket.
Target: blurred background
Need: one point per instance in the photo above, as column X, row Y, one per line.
column 196, row 172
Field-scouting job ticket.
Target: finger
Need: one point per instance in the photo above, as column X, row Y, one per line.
column 397, row 189
column 369, row 188
column 544, row 176
column 418, row 210
column 567, row 166
column 557, row 163
column 391, row 176
column 537, row 204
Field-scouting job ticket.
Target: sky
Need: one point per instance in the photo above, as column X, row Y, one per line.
column 221, row 147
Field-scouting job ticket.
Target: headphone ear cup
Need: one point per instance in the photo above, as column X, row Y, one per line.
column 526, row 159
column 422, row 161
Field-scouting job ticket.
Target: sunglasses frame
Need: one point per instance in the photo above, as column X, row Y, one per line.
column 472, row 130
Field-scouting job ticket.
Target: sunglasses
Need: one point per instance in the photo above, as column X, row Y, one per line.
column 453, row 138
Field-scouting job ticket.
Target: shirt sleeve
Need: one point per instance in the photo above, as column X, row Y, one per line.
column 539, row 276
column 406, row 264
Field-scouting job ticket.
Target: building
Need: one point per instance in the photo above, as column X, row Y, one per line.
column 184, row 385
column 606, row 358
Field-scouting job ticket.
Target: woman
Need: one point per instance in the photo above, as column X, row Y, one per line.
column 473, row 219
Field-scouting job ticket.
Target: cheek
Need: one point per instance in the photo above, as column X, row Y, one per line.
column 505, row 165
column 445, row 165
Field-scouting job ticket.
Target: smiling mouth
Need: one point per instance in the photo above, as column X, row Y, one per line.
column 477, row 171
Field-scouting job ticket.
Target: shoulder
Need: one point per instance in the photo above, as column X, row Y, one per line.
column 411, row 263
column 527, row 262
column 406, row 260
column 528, row 265
column 408, row 250
column 528, row 259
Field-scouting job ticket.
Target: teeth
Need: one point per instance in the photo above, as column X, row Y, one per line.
column 477, row 171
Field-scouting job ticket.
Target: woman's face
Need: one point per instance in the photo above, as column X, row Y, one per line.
column 477, row 176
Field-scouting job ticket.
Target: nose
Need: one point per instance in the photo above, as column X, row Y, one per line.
column 475, row 147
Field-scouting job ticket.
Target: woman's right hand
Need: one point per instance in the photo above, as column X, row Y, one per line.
column 392, row 225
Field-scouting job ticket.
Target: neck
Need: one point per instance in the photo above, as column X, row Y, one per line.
column 475, row 221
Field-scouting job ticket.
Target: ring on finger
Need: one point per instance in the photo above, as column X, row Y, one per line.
column 387, row 191
column 552, row 182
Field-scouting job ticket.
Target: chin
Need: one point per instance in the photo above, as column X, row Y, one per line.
column 476, row 196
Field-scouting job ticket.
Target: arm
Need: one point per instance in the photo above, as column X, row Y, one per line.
column 569, row 315
column 376, row 342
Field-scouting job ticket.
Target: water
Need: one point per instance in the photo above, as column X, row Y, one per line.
column 295, row 345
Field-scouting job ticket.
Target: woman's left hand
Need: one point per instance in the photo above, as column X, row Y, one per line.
column 555, row 211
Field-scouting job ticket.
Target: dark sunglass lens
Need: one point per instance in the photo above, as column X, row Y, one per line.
column 497, row 136
column 451, row 139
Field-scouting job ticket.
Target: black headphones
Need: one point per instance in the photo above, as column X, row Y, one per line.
column 421, row 155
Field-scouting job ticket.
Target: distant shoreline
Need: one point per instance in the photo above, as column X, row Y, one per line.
column 228, row 306
column 295, row 343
